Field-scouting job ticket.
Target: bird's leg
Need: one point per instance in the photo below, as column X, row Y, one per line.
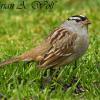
column 75, row 79
column 73, row 74
column 74, row 70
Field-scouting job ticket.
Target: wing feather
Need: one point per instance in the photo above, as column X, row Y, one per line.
column 62, row 42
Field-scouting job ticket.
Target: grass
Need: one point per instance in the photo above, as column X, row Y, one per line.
column 21, row 30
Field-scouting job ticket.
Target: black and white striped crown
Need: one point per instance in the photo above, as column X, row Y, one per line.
column 78, row 18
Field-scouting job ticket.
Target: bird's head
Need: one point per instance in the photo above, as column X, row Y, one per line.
column 79, row 19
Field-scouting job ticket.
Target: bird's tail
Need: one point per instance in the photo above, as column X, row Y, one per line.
column 9, row 61
column 32, row 55
column 27, row 56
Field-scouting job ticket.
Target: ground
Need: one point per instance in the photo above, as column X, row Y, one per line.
column 23, row 29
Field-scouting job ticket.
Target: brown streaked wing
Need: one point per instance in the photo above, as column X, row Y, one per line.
column 62, row 42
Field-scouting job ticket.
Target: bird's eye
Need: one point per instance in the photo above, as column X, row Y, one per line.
column 77, row 20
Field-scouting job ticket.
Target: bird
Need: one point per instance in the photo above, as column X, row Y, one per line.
column 65, row 44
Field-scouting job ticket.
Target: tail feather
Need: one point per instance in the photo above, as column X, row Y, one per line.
column 9, row 61
column 32, row 55
column 24, row 57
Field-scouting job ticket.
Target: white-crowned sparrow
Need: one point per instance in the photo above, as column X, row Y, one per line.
column 64, row 45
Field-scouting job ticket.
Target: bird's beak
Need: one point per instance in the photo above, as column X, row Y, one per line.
column 86, row 22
